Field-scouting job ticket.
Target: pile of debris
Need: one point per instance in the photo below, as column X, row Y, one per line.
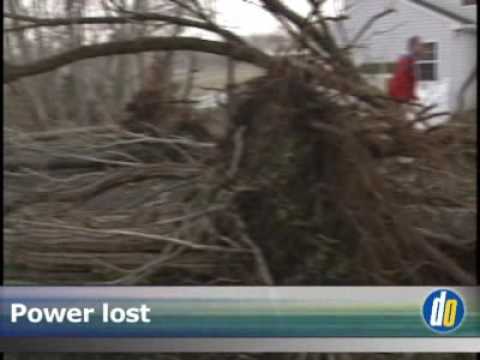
column 307, row 187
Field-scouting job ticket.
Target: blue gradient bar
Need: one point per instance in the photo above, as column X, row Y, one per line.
column 226, row 312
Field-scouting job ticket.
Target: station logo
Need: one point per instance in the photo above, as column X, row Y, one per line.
column 443, row 311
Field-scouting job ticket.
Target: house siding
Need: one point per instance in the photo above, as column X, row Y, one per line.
column 464, row 59
column 386, row 39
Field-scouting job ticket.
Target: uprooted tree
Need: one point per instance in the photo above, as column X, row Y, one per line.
column 307, row 187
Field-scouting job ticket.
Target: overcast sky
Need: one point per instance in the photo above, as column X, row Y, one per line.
column 246, row 18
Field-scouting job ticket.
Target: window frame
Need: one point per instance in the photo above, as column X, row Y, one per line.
column 435, row 62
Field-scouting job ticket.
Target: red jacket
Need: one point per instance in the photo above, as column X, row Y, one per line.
column 402, row 84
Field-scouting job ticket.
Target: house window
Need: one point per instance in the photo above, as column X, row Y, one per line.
column 428, row 63
column 469, row 2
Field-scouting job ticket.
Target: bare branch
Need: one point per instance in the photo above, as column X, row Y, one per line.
column 368, row 25
column 145, row 44
column 109, row 20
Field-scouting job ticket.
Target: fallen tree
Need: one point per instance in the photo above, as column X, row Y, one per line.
column 294, row 197
column 309, row 186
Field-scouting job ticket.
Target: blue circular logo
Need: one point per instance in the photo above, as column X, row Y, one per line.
column 443, row 311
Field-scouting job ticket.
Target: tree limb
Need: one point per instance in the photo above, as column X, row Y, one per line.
column 145, row 44
column 322, row 38
column 108, row 20
column 368, row 25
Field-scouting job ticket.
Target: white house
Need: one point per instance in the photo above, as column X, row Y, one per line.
column 449, row 29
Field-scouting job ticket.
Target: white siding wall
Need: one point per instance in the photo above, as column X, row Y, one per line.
column 387, row 39
column 464, row 53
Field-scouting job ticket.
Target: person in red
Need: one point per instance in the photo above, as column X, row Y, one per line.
column 402, row 85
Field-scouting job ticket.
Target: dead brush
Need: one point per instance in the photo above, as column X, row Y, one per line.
column 306, row 189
